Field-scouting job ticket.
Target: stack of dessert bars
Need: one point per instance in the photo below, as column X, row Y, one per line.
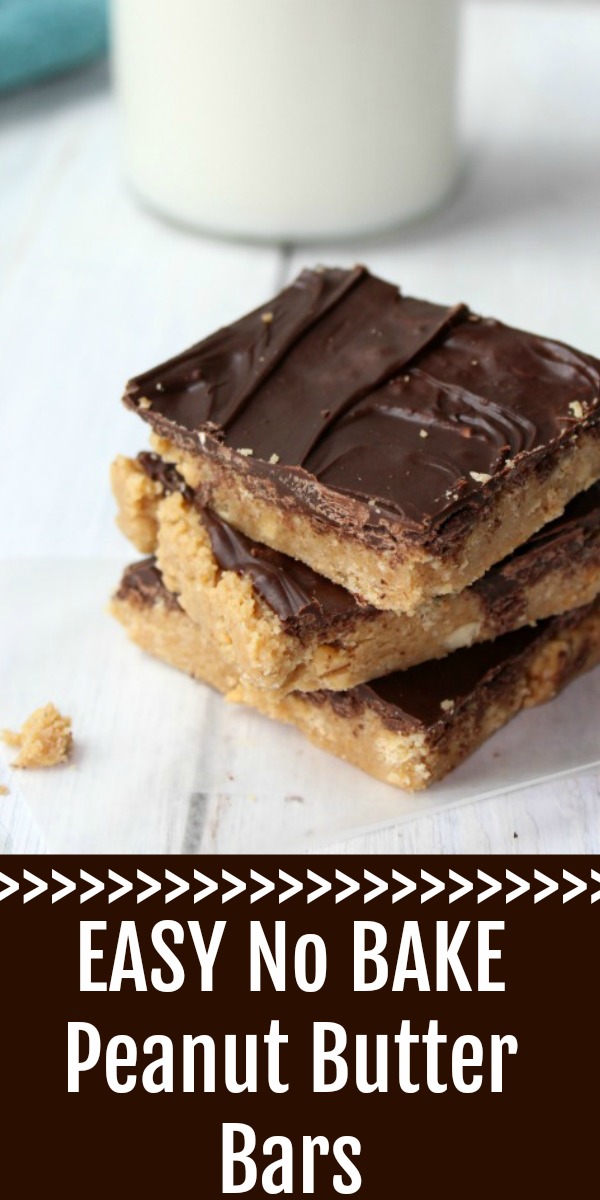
column 370, row 516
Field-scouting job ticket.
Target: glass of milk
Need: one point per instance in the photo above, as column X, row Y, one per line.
column 288, row 119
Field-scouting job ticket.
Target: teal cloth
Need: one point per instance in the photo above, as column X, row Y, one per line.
column 44, row 37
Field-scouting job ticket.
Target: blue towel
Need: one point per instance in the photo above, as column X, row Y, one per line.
column 44, row 37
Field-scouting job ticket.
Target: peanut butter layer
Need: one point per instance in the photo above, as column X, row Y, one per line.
column 283, row 626
column 398, row 447
column 408, row 729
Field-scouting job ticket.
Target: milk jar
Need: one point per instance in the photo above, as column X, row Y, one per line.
column 288, row 119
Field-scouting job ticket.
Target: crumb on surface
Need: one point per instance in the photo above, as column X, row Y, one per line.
column 576, row 408
column 447, row 705
column 11, row 739
column 423, row 433
column 267, row 318
column 4, row 790
column 480, row 476
column 274, row 459
column 144, row 403
column 45, row 740
column 245, row 451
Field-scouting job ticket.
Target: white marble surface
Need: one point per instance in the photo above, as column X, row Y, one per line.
column 93, row 289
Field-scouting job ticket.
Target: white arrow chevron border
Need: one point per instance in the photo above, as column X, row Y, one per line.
column 307, row 885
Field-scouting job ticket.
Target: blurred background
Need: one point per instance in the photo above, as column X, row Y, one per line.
column 453, row 147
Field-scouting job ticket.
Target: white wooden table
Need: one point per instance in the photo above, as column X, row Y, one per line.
column 93, row 289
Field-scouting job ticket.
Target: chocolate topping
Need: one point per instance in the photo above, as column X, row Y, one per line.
column 375, row 395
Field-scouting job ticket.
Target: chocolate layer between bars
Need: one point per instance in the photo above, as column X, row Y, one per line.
column 142, row 582
column 425, row 695
column 302, row 599
column 305, row 601
column 408, row 729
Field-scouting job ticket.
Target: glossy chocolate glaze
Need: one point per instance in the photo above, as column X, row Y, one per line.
column 375, row 396
column 304, row 600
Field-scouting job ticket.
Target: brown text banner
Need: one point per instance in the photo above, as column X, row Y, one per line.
column 299, row 1025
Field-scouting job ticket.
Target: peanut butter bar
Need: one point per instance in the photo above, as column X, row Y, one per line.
column 409, row 728
column 283, row 626
column 399, row 448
